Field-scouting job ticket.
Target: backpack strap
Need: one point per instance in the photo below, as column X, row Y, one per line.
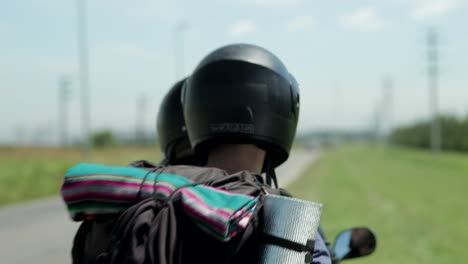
column 153, row 170
column 285, row 243
column 120, row 230
column 122, row 226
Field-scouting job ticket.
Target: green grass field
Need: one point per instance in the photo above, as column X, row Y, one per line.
column 415, row 202
column 30, row 173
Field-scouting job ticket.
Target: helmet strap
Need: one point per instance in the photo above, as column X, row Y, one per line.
column 270, row 171
column 171, row 154
column 164, row 162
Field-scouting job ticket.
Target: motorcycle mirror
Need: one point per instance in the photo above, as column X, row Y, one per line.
column 354, row 243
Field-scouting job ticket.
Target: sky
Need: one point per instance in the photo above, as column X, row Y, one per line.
column 339, row 51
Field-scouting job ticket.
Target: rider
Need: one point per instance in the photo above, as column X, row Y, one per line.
column 172, row 133
column 241, row 108
column 255, row 136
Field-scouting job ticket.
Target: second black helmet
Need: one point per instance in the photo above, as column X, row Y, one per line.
column 172, row 134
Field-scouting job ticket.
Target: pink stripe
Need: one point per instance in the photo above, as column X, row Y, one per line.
column 111, row 196
column 85, row 190
column 99, row 195
column 111, row 183
column 221, row 228
column 202, row 203
column 162, row 188
column 114, row 184
column 105, row 202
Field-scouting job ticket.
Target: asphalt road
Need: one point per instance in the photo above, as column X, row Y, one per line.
column 42, row 232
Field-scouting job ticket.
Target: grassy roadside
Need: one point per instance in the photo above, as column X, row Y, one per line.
column 415, row 201
column 30, row 173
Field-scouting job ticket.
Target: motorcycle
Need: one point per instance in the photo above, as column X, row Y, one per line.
column 351, row 243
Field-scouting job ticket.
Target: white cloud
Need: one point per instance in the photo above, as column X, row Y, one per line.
column 274, row 3
column 242, row 27
column 363, row 19
column 300, row 23
column 434, row 8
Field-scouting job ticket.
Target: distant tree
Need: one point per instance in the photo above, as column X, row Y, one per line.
column 454, row 134
column 104, row 138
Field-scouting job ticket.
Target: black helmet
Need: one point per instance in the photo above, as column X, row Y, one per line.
column 173, row 138
column 242, row 94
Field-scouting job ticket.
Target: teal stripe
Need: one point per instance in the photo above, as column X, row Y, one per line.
column 90, row 169
column 103, row 177
column 131, row 172
column 221, row 200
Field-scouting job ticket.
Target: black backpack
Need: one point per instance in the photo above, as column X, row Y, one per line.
column 157, row 231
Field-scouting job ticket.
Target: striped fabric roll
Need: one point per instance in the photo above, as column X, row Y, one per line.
column 90, row 190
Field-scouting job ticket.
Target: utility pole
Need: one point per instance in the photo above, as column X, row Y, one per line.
column 387, row 106
column 140, row 130
column 20, row 134
column 63, row 92
column 179, row 49
column 340, row 131
column 376, row 122
column 433, row 79
column 83, row 62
